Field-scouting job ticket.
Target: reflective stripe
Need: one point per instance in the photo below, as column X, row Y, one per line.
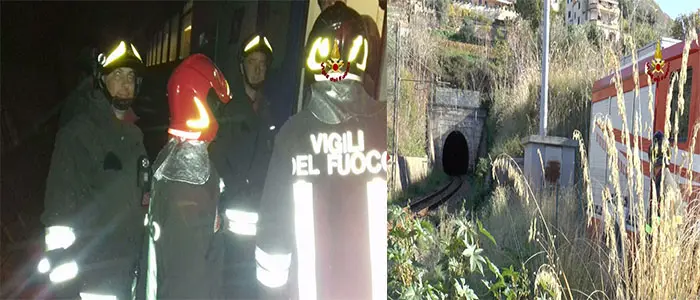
column 242, row 228
column 305, row 239
column 273, row 262
column 64, row 272
column 90, row 296
column 44, row 265
column 377, row 206
column 156, row 231
column 271, row 279
column 222, row 186
column 242, row 222
column 235, row 215
column 59, row 237
column 152, row 272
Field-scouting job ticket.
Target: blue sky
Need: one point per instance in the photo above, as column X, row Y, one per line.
column 676, row 7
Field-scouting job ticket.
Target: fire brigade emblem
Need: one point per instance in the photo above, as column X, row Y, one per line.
column 335, row 69
column 657, row 68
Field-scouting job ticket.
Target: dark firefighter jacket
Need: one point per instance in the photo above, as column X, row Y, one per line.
column 373, row 63
column 242, row 149
column 188, row 251
column 340, row 208
column 241, row 155
column 92, row 187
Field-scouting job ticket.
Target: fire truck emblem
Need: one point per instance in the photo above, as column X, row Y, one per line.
column 333, row 67
column 657, row 68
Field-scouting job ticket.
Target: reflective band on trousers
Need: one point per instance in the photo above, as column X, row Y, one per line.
column 272, row 269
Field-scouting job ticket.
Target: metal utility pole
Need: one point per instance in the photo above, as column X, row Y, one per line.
column 545, row 71
column 397, row 74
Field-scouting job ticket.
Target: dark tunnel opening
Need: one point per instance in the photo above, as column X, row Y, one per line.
column 455, row 154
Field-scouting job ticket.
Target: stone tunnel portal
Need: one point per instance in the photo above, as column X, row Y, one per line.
column 455, row 154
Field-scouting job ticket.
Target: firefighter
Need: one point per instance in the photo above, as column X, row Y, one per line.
column 241, row 154
column 94, row 198
column 184, row 254
column 663, row 181
column 322, row 227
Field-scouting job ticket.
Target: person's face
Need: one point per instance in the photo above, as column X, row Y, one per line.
column 328, row 3
column 255, row 67
column 121, row 83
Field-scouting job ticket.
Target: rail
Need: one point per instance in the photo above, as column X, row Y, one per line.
column 434, row 200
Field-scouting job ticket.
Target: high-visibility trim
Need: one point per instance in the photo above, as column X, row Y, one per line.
column 254, row 41
column 271, row 279
column 377, row 206
column 156, row 231
column 90, row 296
column 59, row 237
column 222, row 186
column 184, row 134
column 242, row 228
column 235, row 215
column 64, row 272
column 305, row 239
column 363, row 65
column 152, row 273
column 267, row 43
column 203, row 121
column 136, row 52
column 117, row 53
column 355, row 50
column 44, row 266
column 273, row 262
column 320, row 47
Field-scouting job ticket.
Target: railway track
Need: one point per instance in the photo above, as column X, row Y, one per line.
column 421, row 206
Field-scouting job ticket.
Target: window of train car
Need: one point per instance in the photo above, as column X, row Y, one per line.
column 186, row 34
column 166, row 40
column 684, row 118
column 153, row 50
column 159, row 46
column 174, row 28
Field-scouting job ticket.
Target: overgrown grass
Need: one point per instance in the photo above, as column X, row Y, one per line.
column 537, row 245
column 575, row 63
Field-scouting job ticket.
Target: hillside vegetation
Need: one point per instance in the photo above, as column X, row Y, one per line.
column 522, row 244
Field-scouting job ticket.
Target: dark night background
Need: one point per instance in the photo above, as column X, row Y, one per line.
column 41, row 42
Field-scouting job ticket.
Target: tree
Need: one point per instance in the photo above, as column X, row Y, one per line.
column 530, row 10
column 467, row 32
column 594, row 34
column 683, row 22
column 442, row 9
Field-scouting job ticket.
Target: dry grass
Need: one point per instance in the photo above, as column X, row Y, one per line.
column 664, row 265
column 575, row 63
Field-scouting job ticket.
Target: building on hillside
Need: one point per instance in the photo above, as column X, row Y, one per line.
column 604, row 13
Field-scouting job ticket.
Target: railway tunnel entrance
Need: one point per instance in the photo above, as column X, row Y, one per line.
column 455, row 154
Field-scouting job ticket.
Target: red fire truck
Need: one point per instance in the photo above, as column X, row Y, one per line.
column 652, row 118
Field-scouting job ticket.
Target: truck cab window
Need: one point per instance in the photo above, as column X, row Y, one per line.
column 683, row 119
